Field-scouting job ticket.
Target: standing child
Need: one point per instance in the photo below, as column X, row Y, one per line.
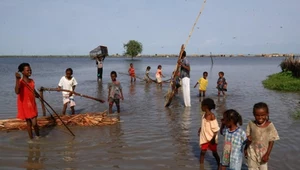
column 221, row 84
column 131, row 73
column 235, row 139
column 114, row 92
column 25, row 90
column 208, row 131
column 203, row 82
column 159, row 75
column 68, row 82
column 146, row 77
column 261, row 134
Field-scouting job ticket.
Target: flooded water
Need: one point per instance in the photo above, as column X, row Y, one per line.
column 150, row 136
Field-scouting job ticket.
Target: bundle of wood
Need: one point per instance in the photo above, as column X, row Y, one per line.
column 87, row 119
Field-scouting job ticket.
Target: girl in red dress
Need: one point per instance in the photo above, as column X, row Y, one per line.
column 25, row 90
column 131, row 73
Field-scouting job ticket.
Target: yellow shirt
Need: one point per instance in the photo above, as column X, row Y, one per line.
column 202, row 83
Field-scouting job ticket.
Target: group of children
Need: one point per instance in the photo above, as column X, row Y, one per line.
column 255, row 144
column 203, row 82
column 159, row 75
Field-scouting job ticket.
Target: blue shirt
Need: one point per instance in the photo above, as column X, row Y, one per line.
column 234, row 142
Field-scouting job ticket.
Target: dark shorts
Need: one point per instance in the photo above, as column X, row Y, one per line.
column 112, row 101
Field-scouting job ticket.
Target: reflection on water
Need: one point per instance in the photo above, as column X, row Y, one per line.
column 149, row 136
column 34, row 160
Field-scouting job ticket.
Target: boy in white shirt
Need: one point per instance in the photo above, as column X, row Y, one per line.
column 68, row 82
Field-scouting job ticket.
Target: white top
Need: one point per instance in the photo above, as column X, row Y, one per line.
column 66, row 84
column 99, row 63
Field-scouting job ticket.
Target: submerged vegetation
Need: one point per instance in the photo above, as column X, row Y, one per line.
column 288, row 79
column 296, row 115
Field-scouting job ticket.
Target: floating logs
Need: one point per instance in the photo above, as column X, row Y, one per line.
column 87, row 119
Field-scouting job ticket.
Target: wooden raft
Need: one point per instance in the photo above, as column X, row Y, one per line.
column 86, row 119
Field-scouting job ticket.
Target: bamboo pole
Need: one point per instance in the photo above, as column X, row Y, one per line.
column 42, row 102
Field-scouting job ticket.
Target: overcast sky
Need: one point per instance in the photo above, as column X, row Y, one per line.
column 74, row 27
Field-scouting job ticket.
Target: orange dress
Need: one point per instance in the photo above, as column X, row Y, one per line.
column 27, row 107
column 131, row 72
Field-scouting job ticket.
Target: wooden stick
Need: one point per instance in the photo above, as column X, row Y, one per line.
column 42, row 103
column 34, row 92
column 77, row 94
column 170, row 93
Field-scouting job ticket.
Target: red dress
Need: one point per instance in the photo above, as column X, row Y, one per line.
column 131, row 72
column 27, row 108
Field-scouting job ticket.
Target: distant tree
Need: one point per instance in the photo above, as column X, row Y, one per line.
column 133, row 48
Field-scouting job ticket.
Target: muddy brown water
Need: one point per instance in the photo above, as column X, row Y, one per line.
column 149, row 135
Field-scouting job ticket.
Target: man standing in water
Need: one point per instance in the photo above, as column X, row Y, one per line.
column 99, row 62
column 185, row 78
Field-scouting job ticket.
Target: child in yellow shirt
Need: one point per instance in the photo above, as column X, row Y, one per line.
column 203, row 82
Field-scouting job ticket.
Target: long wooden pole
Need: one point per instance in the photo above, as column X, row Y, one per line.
column 34, row 92
column 77, row 94
column 170, row 93
column 42, row 103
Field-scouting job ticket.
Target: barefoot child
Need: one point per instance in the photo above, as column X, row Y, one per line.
column 114, row 92
column 25, row 90
column 208, row 131
column 235, row 140
column 159, row 75
column 221, row 84
column 131, row 73
column 68, row 82
column 203, row 82
column 261, row 134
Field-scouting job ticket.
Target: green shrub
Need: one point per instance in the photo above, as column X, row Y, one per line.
column 284, row 81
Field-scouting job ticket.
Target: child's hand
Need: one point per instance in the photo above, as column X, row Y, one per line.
column 18, row 75
column 265, row 158
column 246, row 153
column 122, row 97
column 195, row 86
column 70, row 94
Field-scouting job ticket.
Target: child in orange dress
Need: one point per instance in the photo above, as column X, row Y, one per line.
column 159, row 75
column 131, row 73
column 25, row 90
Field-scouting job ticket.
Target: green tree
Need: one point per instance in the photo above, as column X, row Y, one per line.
column 133, row 48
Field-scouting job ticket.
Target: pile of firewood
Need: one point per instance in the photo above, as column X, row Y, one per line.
column 87, row 119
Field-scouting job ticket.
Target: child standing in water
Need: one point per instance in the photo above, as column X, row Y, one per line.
column 146, row 77
column 25, row 90
column 68, row 82
column 235, row 139
column 114, row 92
column 221, row 84
column 131, row 73
column 203, row 82
column 208, row 131
column 261, row 134
column 159, row 75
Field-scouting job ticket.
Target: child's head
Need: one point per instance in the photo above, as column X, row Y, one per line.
column 183, row 55
column 208, row 103
column 221, row 74
column 131, row 65
column 148, row 68
column 25, row 69
column 261, row 112
column 205, row 74
column 232, row 117
column 159, row 67
column 113, row 75
column 69, row 73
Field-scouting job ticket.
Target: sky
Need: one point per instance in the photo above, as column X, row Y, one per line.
column 75, row 27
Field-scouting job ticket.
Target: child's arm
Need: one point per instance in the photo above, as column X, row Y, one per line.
column 199, row 131
column 265, row 158
column 196, row 85
column 17, row 86
column 121, row 94
column 108, row 93
column 73, row 89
